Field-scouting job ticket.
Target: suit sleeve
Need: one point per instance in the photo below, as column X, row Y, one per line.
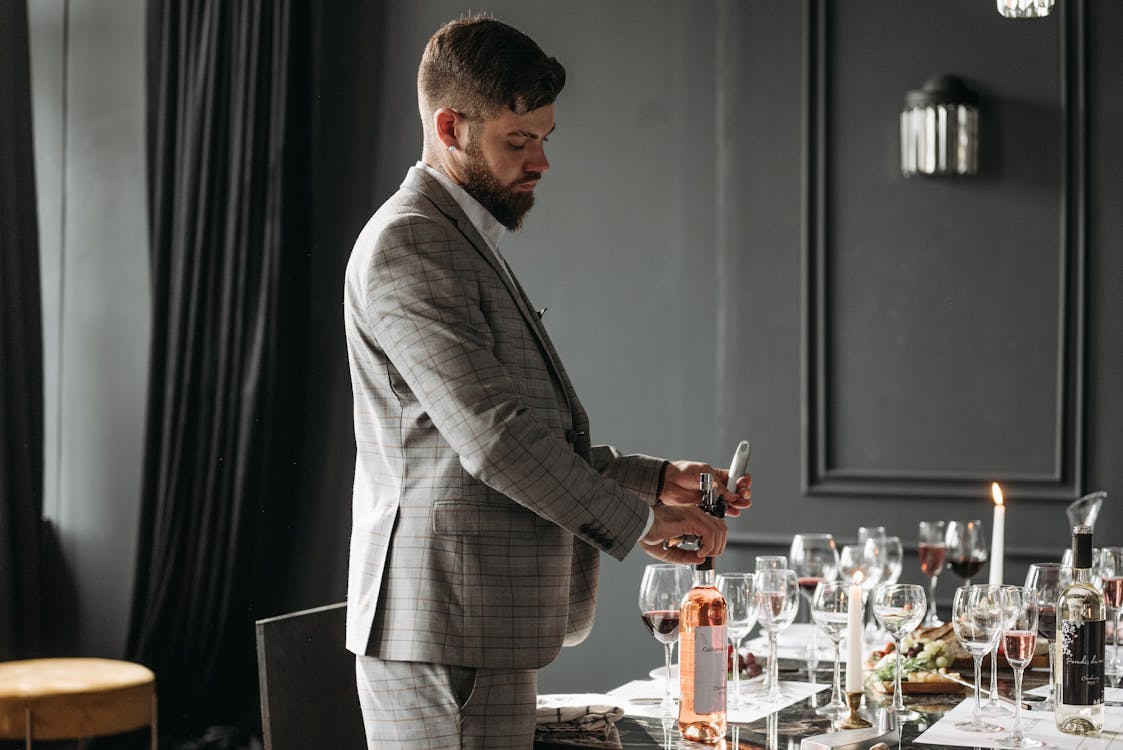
column 640, row 474
column 424, row 311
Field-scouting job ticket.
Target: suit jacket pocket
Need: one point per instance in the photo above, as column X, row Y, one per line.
column 457, row 517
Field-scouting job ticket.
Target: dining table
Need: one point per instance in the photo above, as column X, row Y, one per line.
column 786, row 727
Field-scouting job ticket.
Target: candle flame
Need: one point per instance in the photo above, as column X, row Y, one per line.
column 996, row 493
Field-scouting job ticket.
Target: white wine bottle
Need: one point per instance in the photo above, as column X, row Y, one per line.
column 1079, row 657
column 702, row 646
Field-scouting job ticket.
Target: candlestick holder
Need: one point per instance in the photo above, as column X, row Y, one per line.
column 852, row 720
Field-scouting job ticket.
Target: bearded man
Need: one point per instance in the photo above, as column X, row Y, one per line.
column 480, row 504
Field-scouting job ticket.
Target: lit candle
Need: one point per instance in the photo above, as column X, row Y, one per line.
column 854, row 636
column 997, row 535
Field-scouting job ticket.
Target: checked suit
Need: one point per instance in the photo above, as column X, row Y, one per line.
column 480, row 506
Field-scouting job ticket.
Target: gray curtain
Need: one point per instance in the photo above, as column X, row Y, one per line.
column 21, row 350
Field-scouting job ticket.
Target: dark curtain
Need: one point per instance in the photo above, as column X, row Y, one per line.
column 227, row 234
column 21, row 355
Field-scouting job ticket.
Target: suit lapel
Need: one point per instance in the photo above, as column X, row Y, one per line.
column 418, row 181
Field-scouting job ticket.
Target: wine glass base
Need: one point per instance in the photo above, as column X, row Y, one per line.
column 977, row 726
column 905, row 714
column 994, row 708
column 1018, row 742
column 832, row 711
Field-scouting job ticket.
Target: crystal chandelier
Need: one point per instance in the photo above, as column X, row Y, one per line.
column 940, row 129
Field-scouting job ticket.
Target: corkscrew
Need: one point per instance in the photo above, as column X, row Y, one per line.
column 712, row 503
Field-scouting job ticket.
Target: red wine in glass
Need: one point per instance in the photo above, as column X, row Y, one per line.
column 932, row 558
column 966, row 567
column 807, row 584
column 1113, row 591
column 1047, row 623
column 663, row 624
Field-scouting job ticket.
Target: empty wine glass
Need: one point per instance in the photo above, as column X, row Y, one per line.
column 777, row 595
column 899, row 607
column 771, row 562
column 1047, row 580
column 829, row 609
column 894, row 559
column 870, row 532
column 740, row 616
column 1019, row 637
column 1111, row 577
column 966, row 548
column 933, row 553
column 977, row 620
column 660, row 591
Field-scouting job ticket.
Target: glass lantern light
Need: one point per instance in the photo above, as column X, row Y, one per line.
column 1024, row 8
column 940, row 129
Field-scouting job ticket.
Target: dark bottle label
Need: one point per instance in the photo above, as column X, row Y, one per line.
column 1082, row 662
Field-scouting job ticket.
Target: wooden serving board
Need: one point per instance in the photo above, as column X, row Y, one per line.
column 1039, row 661
column 944, row 687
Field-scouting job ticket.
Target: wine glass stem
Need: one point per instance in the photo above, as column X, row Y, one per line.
column 1051, row 685
column 1017, row 730
column 993, row 700
column 978, row 684
column 898, row 702
column 932, row 617
column 773, row 667
column 667, row 699
column 1115, row 639
column 736, row 673
column 836, row 691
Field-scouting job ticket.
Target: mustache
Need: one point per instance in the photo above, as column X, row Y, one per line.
column 530, row 177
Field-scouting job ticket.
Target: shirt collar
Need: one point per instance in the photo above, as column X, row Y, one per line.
column 486, row 224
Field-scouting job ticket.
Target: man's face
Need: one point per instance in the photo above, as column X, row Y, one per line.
column 506, row 156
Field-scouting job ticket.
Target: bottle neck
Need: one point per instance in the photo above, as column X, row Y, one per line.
column 1081, row 575
column 704, row 575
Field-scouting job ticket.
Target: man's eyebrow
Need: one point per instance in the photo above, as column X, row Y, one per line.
column 528, row 134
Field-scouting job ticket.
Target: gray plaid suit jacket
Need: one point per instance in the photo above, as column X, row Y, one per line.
column 479, row 503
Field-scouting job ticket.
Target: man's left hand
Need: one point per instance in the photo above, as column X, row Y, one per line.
column 680, row 486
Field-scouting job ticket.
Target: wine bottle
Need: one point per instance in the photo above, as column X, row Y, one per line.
column 1079, row 657
column 702, row 642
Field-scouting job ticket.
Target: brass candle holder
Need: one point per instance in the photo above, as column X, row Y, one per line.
column 852, row 720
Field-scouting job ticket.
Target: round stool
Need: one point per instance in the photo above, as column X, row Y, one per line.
column 62, row 699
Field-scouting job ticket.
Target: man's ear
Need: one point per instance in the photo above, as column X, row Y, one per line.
column 449, row 126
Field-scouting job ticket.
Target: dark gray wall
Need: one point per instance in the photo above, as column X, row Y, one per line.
column 669, row 245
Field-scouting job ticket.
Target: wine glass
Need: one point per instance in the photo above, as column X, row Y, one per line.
column 815, row 560
column 866, row 533
column 1111, row 572
column 1019, row 636
column 899, row 607
column 771, row 562
column 777, row 595
column 877, row 552
column 966, row 546
column 660, row 591
column 1047, row 580
column 932, row 553
column 829, row 609
column 977, row 619
column 894, row 559
column 740, row 616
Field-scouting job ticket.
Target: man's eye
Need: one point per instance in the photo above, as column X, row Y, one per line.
column 516, row 146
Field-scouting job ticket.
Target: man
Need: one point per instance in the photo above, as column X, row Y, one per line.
column 480, row 506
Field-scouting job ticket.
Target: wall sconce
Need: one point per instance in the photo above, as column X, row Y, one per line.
column 940, row 129
column 1024, row 8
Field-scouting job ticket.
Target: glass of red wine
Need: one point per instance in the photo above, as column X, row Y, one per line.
column 966, row 548
column 660, row 592
column 1047, row 579
column 933, row 553
column 1019, row 637
column 1111, row 579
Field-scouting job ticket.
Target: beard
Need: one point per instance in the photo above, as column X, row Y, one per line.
column 508, row 206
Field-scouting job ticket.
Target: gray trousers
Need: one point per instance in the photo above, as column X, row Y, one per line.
column 438, row 706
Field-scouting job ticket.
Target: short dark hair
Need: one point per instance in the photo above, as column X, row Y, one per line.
column 478, row 65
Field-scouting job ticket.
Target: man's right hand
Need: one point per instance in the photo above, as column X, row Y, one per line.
column 672, row 521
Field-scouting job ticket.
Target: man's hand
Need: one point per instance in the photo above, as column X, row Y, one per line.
column 672, row 521
column 680, row 486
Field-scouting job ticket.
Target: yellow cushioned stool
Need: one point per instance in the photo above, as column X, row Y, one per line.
column 62, row 699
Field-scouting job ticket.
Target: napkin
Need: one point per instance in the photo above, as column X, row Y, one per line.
column 584, row 713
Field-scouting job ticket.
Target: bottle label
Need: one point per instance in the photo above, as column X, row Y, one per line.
column 1082, row 662
column 709, row 669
